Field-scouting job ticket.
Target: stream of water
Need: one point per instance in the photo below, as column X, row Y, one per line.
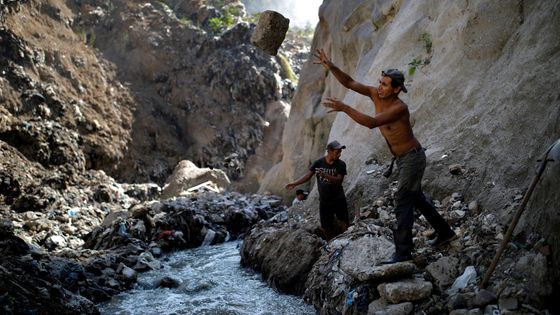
column 211, row 282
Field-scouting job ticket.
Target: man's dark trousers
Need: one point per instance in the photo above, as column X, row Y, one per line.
column 411, row 168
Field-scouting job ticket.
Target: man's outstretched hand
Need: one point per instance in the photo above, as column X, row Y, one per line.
column 334, row 104
column 323, row 59
column 290, row 186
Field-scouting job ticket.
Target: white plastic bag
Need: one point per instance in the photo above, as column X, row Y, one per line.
column 467, row 277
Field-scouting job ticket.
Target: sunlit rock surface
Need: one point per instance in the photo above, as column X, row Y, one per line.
column 470, row 69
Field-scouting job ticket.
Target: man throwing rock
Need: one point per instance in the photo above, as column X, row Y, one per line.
column 393, row 120
column 330, row 171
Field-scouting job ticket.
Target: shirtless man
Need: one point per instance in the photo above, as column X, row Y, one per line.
column 393, row 120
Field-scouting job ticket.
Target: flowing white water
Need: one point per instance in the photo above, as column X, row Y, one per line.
column 212, row 282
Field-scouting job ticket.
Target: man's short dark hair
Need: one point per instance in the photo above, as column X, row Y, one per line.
column 300, row 192
column 397, row 78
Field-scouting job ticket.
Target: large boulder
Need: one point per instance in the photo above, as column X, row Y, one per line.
column 405, row 290
column 187, row 175
column 444, row 271
column 381, row 307
column 270, row 31
column 361, row 259
column 350, row 269
column 284, row 256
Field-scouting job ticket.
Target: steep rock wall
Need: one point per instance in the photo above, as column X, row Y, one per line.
column 145, row 85
column 201, row 89
column 483, row 95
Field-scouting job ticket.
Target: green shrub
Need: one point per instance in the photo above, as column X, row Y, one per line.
column 427, row 39
column 221, row 23
column 125, row 40
column 90, row 39
column 85, row 36
column 417, row 63
column 226, row 20
column 413, row 65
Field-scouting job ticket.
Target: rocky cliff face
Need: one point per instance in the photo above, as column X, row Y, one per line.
column 201, row 89
column 482, row 80
column 143, row 85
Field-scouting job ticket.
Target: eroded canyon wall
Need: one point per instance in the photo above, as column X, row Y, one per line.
column 482, row 80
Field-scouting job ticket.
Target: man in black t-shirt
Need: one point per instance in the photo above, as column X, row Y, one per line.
column 330, row 171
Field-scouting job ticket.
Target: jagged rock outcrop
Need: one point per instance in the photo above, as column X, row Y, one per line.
column 284, row 255
column 56, row 98
column 187, row 175
column 471, row 68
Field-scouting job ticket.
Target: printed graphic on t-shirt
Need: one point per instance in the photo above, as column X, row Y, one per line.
column 328, row 189
column 328, row 171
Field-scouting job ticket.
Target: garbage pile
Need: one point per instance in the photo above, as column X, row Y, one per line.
column 72, row 241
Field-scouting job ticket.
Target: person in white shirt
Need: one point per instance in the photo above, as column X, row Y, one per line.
column 301, row 195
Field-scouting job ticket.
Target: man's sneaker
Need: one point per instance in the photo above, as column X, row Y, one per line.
column 442, row 240
column 396, row 259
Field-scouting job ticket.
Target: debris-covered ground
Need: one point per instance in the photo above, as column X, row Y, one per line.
column 74, row 254
column 72, row 237
column 345, row 276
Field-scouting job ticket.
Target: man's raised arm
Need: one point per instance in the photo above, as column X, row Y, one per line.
column 341, row 76
column 378, row 120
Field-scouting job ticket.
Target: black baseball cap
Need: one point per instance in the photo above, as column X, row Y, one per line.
column 396, row 76
column 335, row 145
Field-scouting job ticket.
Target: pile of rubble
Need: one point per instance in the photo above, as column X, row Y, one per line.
column 346, row 276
